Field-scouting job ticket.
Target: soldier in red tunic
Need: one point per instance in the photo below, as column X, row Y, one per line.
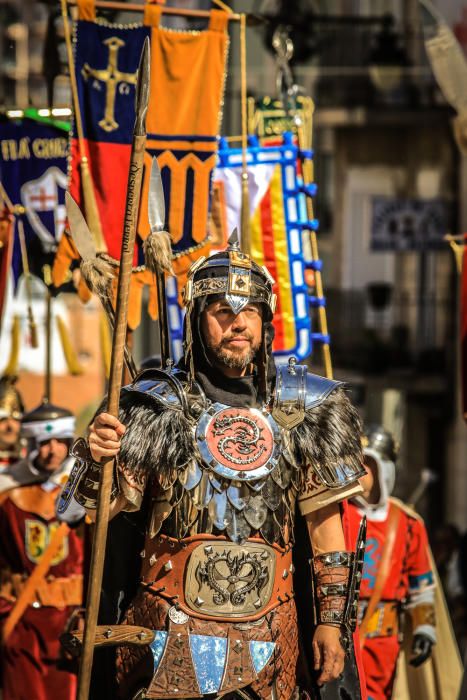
column 397, row 574
column 11, row 412
column 28, row 491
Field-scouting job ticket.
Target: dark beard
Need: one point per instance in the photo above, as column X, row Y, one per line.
column 230, row 358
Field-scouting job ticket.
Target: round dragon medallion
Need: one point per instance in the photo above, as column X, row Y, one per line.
column 238, row 442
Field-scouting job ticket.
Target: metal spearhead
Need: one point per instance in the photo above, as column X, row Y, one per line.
column 156, row 201
column 96, row 271
column 157, row 246
column 158, row 254
column 82, row 236
column 142, row 91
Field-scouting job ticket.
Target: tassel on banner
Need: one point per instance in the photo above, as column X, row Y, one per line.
column 11, row 370
column 106, row 343
column 74, row 367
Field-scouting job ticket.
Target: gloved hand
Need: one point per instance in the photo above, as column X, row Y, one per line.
column 421, row 650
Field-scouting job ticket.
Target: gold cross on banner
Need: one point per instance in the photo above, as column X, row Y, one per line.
column 112, row 77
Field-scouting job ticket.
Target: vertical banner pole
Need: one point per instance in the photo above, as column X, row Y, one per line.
column 245, row 210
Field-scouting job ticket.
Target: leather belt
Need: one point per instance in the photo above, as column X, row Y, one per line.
column 51, row 592
column 215, row 579
column 384, row 622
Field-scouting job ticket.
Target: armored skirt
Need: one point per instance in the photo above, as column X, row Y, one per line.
column 240, row 634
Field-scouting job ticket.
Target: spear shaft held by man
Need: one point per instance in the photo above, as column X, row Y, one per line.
column 116, row 367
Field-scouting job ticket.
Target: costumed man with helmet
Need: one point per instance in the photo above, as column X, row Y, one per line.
column 11, row 412
column 28, row 493
column 219, row 451
column 397, row 572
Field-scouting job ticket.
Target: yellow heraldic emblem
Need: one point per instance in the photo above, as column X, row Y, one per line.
column 113, row 78
column 37, row 537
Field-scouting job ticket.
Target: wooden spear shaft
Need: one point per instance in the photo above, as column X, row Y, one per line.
column 116, row 367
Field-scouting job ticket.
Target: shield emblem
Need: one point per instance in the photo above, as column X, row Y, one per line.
column 63, row 550
column 44, row 201
column 37, row 537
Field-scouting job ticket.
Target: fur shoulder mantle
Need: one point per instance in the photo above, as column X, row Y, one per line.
column 160, row 439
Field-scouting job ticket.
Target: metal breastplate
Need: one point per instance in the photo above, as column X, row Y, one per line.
column 243, row 478
column 241, row 482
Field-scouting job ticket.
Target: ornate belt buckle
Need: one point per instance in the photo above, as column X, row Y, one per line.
column 225, row 579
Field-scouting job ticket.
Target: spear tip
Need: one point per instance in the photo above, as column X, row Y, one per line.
column 142, row 90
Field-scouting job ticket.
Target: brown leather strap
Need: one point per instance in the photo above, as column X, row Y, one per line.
column 383, row 570
column 110, row 636
column 331, row 575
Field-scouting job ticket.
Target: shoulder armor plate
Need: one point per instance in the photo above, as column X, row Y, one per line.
column 318, row 389
column 166, row 388
column 297, row 390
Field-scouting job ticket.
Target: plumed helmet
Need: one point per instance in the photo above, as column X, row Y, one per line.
column 233, row 276
column 11, row 402
column 48, row 421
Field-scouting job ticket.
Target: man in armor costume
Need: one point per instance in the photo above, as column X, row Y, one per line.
column 219, row 451
column 11, row 412
column 397, row 572
column 28, row 492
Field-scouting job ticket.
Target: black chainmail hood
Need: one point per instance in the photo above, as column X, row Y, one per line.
column 243, row 391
